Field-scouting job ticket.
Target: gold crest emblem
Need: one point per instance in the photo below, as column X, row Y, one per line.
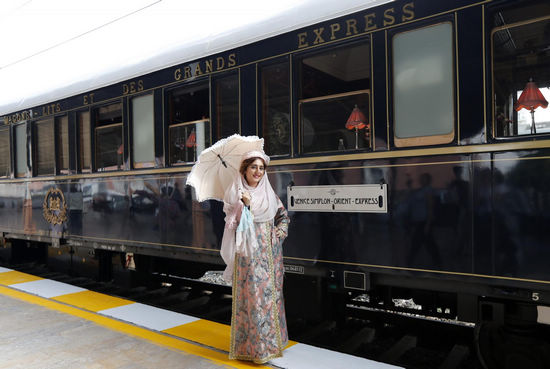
column 54, row 206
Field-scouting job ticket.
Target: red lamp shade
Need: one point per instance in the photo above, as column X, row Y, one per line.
column 356, row 119
column 120, row 149
column 191, row 140
column 531, row 98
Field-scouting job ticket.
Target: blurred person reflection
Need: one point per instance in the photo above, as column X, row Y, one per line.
column 422, row 221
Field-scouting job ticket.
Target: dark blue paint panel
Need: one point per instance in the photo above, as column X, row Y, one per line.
column 521, row 214
column 471, row 87
column 428, row 224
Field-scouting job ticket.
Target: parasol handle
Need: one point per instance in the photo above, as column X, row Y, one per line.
column 223, row 162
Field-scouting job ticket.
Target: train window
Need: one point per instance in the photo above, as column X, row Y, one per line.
column 143, row 129
column 62, row 141
column 4, row 152
column 423, row 86
column 275, row 108
column 227, row 105
column 44, row 147
column 521, row 77
column 84, row 142
column 188, row 123
column 109, row 148
column 20, row 140
column 332, row 85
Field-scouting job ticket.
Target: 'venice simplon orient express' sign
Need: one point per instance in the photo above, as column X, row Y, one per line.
column 367, row 198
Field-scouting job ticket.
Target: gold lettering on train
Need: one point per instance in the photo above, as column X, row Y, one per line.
column 89, row 98
column 408, row 12
column 204, row 67
column 187, row 72
column 132, row 87
column 389, row 18
column 208, row 65
column 351, row 25
column 220, row 63
column 369, row 22
column 302, row 40
column 198, row 70
column 318, row 39
column 232, row 60
column 333, row 29
column 18, row 117
column 51, row 109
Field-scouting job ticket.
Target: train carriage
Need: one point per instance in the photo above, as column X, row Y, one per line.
column 409, row 140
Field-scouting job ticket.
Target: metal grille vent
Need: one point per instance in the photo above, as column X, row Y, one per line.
column 355, row 280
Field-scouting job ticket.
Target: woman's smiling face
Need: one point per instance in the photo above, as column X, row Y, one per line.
column 254, row 172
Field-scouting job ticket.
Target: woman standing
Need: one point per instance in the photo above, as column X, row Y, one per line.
column 255, row 264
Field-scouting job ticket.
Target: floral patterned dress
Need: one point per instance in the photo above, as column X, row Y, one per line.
column 258, row 322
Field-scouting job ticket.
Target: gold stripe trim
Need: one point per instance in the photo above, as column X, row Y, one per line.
column 406, row 153
column 371, row 99
column 189, row 123
column 412, row 164
column 455, row 150
column 143, row 242
column 457, row 81
column 522, row 23
column 420, row 270
column 109, row 126
column 484, row 60
column 335, row 96
column 256, row 99
column 387, row 93
column 291, row 95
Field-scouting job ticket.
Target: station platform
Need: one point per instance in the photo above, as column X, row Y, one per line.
column 49, row 324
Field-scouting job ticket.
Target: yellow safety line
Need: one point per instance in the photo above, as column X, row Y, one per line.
column 92, row 301
column 126, row 328
column 13, row 277
column 210, row 333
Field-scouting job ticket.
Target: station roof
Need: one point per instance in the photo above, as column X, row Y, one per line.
column 52, row 49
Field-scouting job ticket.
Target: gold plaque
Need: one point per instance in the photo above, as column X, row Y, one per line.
column 54, row 206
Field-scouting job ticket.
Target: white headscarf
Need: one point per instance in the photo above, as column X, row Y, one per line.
column 264, row 204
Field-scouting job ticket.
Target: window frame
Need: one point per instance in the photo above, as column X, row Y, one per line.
column 260, row 102
column 214, row 113
column 425, row 140
column 35, row 151
column 297, row 101
column 166, row 93
column 492, row 99
column 94, row 127
column 8, row 172
column 145, row 164
column 80, row 147
column 332, row 97
column 182, row 124
column 57, row 159
column 24, row 174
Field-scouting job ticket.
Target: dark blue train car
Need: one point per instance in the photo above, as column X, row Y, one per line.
column 436, row 190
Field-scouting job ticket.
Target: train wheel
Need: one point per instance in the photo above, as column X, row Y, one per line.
column 505, row 346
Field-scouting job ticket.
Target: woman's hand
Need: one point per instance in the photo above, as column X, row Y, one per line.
column 246, row 197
